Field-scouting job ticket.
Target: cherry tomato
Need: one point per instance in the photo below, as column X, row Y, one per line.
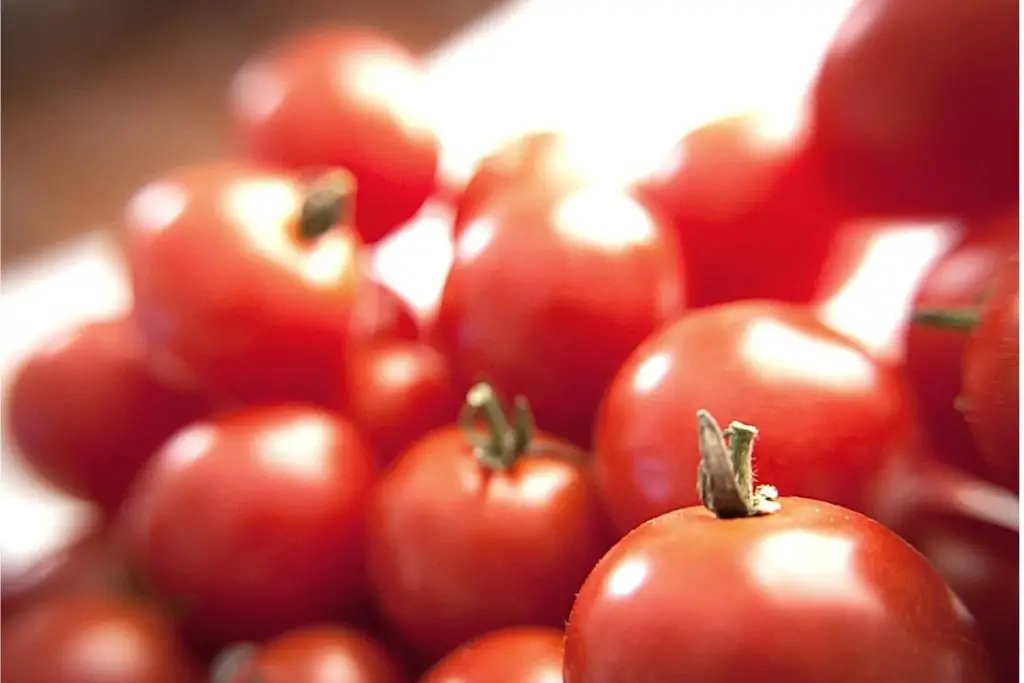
column 86, row 411
column 316, row 654
column 466, row 536
column 345, row 97
column 381, row 314
column 741, row 199
column 991, row 379
column 752, row 582
column 93, row 639
column 547, row 297
column 916, row 106
column 831, row 414
column 521, row 654
column 253, row 522
column 245, row 277
column 398, row 391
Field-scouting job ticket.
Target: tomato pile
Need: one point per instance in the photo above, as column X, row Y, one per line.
column 304, row 480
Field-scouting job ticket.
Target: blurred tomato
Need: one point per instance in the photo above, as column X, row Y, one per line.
column 381, row 314
column 525, row 654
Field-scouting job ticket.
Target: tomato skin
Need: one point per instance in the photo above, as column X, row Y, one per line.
column 916, row 106
column 524, row 654
column 991, row 379
column 547, row 296
column 255, row 520
column 69, row 640
column 86, row 411
column 382, row 314
column 346, row 97
column 457, row 549
column 689, row 597
column 739, row 191
column 263, row 314
column 830, row 415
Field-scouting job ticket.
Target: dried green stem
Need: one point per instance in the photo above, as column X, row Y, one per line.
column 504, row 440
column 330, row 201
column 953, row 319
column 725, row 478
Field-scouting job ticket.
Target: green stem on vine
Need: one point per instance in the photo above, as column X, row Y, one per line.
column 329, row 201
column 725, row 478
column 953, row 319
column 505, row 440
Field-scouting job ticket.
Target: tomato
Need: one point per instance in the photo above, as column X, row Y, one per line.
column 397, row 391
column 521, row 654
column 968, row 530
column 314, row 654
column 247, row 277
column 344, row 97
column 916, row 106
column 804, row 589
column 253, row 522
column 467, row 537
column 86, row 411
column 741, row 199
column 991, row 379
column 831, row 414
column 380, row 313
column 93, row 639
column 547, row 296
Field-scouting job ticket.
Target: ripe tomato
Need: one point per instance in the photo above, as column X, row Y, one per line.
column 86, row 411
column 548, row 296
column 916, row 106
column 398, row 391
column 991, row 379
column 831, row 414
column 346, row 97
column 524, row 654
column 239, row 275
column 808, row 590
column 463, row 533
column 741, row 200
column 93, row 639
column 382, row 314
column 254, row 522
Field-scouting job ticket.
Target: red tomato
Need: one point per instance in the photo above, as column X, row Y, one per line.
column 86, row 411
column 93, row 639
column 521, row 654
column 345, row 97
column 398, row 391
column 741, row 200
column 991, row 379
column 381, row 314
column 809, row 591
column 831, row 414
column 548, row 296
column 462, row 531
column 254, row 521
column 315, row 654
column 916, row 106
column 238, row 275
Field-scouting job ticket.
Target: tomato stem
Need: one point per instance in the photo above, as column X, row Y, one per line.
column 233, row 665
column 329, row 201
column 956, row 319
column 505, row 440
column 725, row 477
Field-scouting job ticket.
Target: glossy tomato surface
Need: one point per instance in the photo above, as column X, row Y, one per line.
column 521, row 654
column 380, row 313
column 93, row 639
column 344, row 97
column 253, row 522
column 86, row 411
column 812, row 593
column 916, row 106
column 829, row 415
column 547, row 296
column 227, row 286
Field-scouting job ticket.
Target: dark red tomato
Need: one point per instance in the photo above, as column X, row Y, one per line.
column 345, row 97
column 86, row 411
column 916, row 106
column 246, row 277
column 521, row 654
column 741, row 200
column 398, row 391
column 830, row 413
column 968, row 530
column 547, row 298
column 316, row 654
column 93, row 639
column 467, row 537
column 253, row 522
column 381, row 314
column 991, row 379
